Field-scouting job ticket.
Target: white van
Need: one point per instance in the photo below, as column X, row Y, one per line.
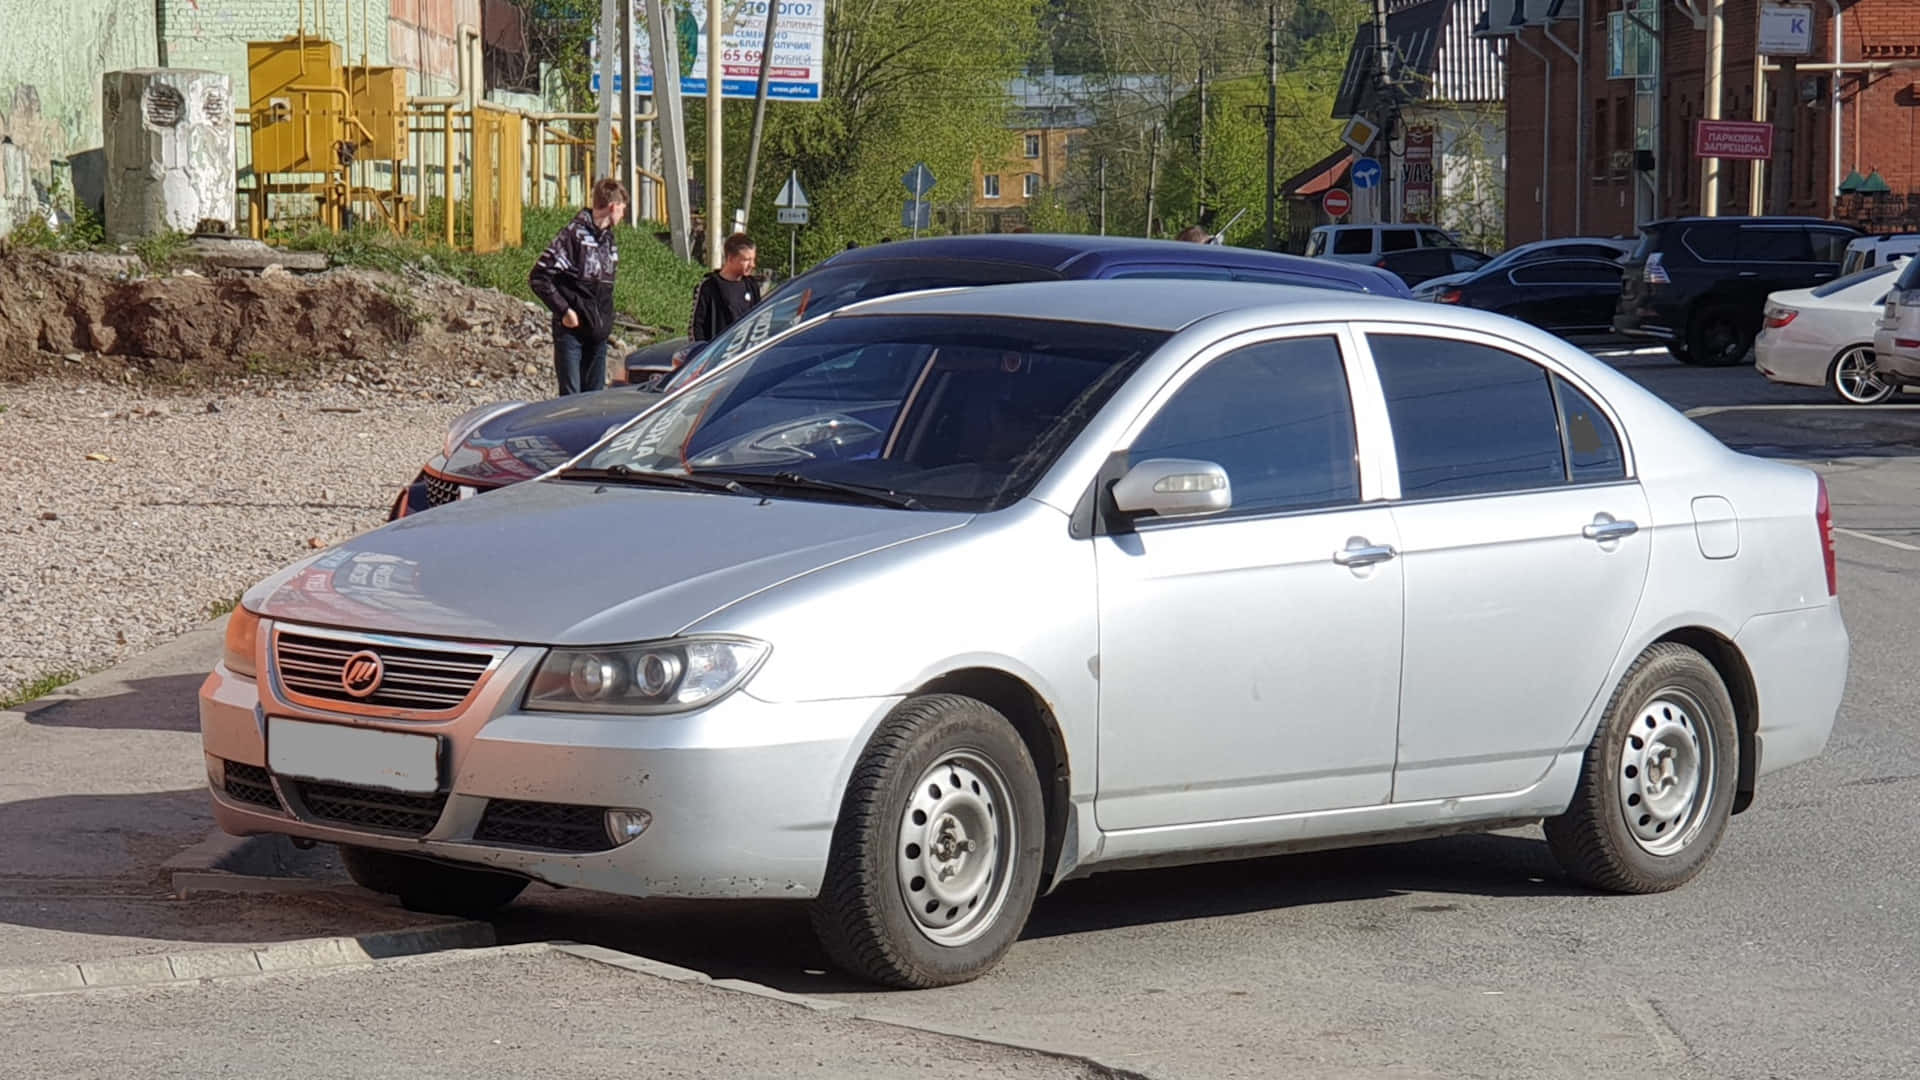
column 1868, row 252
column 1366, row 243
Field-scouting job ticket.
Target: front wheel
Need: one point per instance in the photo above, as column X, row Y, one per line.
column 1852, row 380
column 936, row 859
column 1657, row 786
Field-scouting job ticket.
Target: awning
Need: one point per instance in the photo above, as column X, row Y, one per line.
column 1316, row 179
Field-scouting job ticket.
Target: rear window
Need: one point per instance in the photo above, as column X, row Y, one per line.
column 1353, row 242
column 1399, row 240
column 1848, row 282
column 1764, row 244
column 1649, row 243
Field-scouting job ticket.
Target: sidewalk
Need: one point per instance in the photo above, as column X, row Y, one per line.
column 101, row 784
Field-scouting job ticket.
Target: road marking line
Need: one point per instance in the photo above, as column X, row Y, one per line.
column 1872, row 539
column 1713, row 410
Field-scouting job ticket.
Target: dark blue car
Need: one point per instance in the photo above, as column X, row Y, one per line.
column 501, row 444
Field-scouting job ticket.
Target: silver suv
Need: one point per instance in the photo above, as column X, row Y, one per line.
column 1366, row 243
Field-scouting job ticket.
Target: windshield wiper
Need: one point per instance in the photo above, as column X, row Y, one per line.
column 792, row 481
column 627, row 474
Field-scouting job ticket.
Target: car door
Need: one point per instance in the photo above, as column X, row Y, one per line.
column 1249, row 661
column 1564, row 295
column 1524, row 543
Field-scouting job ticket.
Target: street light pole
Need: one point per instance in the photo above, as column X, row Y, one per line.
column 1273, row 108
column 760, row 108
column 603, row 134
column 716, row 74
column 1716, row 61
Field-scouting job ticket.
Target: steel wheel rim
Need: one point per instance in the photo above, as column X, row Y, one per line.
column 955, row 851
column 1853, row 377
column 1668, row 763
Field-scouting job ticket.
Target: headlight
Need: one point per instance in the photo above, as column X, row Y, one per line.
column 243, row 638
column 467, row 422
column 800, row 441
column 669, row 676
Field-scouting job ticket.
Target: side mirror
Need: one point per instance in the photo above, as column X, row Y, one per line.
column 1173, row 487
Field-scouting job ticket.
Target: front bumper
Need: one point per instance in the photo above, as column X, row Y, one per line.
column 430, row 489
column 743, row 795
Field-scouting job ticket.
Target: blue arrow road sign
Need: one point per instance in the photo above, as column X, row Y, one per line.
column 919, row 180
column 916, row 214
column 1366, row 173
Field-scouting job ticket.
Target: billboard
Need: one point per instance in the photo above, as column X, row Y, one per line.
column 1417, row 194
column 799, row 48
column 1741, row 140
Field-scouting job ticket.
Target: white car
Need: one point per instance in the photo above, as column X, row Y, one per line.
column 1824, row 336
column 932, row 603
column 1868, row 252
column 1896, row 340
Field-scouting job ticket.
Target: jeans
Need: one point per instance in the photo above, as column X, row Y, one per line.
column 580, row 366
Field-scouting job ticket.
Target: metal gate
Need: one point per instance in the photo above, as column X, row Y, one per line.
column 499, row 175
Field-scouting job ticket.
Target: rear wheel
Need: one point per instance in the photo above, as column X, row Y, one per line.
column 425, row 885
column 936, row 858
column 1852, row 380
column 1680, row 353
column 1657, row 786
column 1719, row 337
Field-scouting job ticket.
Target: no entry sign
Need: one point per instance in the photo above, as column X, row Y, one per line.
column 1336, row 202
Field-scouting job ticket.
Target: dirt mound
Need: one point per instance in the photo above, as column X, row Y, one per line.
column 104, row 316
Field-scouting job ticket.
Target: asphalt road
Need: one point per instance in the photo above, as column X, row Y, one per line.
column 1797, row 953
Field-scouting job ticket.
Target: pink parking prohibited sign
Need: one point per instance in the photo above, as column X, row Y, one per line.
column 1743, row 140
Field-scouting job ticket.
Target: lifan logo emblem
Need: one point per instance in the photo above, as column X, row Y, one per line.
column 362, row 673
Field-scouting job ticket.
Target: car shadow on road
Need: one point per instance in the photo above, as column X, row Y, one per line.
column 161, row 703
column 773, row 942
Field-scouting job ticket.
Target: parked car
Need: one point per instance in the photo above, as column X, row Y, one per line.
column 1867, row 252
column 1562, row 295
column 504, row 443
column 1824, row 336
column 1587, row 247
column 927, row 606
column 1366, row 243
column 1896, row 337
column 1414, row 267
column 1699, row 285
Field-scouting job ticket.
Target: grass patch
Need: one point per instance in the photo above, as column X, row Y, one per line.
column 223, row 607
column 161, row 251
column 38, row 688
column 654, row 288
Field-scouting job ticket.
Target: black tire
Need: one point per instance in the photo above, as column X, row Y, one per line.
column 1720, row 337
column 862, row 916
column 1604, row 842
column 425, row 885
column 1680, row 353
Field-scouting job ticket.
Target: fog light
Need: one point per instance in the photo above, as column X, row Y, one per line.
column 217, row 772
column 624, row 826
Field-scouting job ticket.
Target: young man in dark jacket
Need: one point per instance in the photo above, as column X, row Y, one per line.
column 726, row 294
column 574, row 278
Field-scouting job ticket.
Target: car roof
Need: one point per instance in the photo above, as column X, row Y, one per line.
column 1166, row 304
column 1699, row 219
column 1882, row 239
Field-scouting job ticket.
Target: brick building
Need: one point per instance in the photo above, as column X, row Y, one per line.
column 1606, row 93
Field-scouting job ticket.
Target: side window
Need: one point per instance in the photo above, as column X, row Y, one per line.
column 1204, row 273
column 1398, row 240
column 1316, row 244
column 1434, row 238
column 1711, row 243
column 1467, row 419
column 1568, row 272
column 1353, row 242
column 1276, row 416
column 1829, row 246
column 1593, row 449
column 1466, row 260
column 1773, row 245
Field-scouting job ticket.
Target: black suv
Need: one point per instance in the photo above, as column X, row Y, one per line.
column 1699, row 285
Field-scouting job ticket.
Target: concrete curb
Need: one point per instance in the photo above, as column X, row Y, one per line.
column 640, row 965
column 307, row 954
column 262, row 856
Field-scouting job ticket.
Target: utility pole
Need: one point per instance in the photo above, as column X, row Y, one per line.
column 603, row 134
column 1273, row 108
column 1789, row 110
column 1383, row 57
column 716, row 74
column 629, row 95
column 759, row 108
column 1200, row 187
column 1153, row 162
column 663, row 46
column 1716, row 61
column 1103, row 195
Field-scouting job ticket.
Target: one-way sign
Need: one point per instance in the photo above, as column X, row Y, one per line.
column 791, row 197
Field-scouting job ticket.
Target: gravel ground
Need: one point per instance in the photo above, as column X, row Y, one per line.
column 100, row 559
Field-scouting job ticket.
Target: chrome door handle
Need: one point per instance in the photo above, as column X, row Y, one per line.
column 1609, row 529
column 1359, row 552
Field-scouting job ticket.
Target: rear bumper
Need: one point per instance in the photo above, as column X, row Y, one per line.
column 1893, row 364
column 1799, row 663
column 1792, row 363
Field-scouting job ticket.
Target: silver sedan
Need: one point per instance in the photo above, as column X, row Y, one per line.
column 918, row 610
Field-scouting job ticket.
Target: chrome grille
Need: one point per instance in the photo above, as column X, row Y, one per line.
column 371, row 808
column 551, row 826
column 426, row 680
column 440, row 492
column 249, row 784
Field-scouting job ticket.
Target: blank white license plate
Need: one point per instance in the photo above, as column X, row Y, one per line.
column 350, row 755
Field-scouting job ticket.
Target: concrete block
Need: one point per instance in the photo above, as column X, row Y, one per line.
column 33, row 980
column 314, row 953
column 126, row 971
column 169, row 151
column 217, row 964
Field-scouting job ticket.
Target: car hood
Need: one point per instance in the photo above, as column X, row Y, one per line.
column 573, row 563
column 540, row 436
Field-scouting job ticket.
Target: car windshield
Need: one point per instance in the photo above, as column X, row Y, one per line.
column 943, row 412
column 832, row 287
column 1848, row 282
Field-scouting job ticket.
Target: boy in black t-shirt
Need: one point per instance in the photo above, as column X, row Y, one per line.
column 726, row 294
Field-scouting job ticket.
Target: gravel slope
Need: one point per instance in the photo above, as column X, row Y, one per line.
column 102, row 559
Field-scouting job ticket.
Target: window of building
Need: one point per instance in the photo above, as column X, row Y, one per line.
column 1602, row 146
column 1033, row 146
column 990, row 186
column 1031, row 184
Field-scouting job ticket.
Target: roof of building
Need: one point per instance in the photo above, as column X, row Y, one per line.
column 1436, row 57
column 1067, row 101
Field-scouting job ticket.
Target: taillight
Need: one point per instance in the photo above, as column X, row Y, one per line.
column 1381, row 263
column 1906, row 343
column 1447, row 296
column 1656, row 271
column 1823, row 513
column 1779, row 317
